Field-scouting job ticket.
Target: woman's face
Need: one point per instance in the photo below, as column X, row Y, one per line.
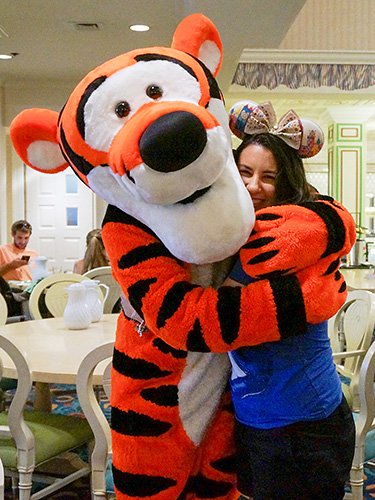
column 258, row 170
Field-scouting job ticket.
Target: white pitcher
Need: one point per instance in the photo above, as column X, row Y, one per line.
column 77, row 314
column 93, row 300
column 40, row 270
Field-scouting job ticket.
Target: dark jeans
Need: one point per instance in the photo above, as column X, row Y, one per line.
column 301, row 461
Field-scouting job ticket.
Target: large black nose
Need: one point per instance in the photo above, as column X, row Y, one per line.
column 173, row 141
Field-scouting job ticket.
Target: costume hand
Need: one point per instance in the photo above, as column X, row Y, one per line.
column 285, row 239
column 288, row 238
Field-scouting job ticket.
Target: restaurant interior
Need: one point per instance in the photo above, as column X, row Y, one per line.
column 316, row 57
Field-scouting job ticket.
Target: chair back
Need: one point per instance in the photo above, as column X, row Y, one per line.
column 50, row 293
column 365, row 425
column 94, row 415
column 351, row 333
column 3, row 310
column 16, row 427
column 104, row 275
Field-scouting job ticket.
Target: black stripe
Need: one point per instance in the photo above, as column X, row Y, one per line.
column 195, row 341
column 337, row 275
column 290, row 307
column 229, row 310
column 137, row 368
column 225, row 464
column 142, row 254
column 80, row 118
column 334, row 224
column 114, row 214
column 263, row 257
column 215, row 91
column 274, row 274
column 172, row 301
column 71, row 157
column 140, row 485
column 342, row 287
column 159, row 57
column 165, row 395
column 130, row 423
column 137, row 292
column 167, row 349
column 260, row 242
column 332, row 267
column 268, row 216
column 203, row 487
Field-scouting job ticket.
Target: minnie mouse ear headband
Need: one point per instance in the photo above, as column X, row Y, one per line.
column 302, row 134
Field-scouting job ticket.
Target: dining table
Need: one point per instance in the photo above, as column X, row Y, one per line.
column 54, row 352
column 359, row 279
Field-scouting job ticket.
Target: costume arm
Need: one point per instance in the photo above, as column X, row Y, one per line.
column 288, row 238
column 192, row 318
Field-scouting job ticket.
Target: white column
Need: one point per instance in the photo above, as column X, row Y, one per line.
column 347, row 157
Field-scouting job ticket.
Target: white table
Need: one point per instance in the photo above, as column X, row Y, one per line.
column 53, row 351
column 359, row 279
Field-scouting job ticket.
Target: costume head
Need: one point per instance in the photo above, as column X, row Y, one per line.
column 148, row 132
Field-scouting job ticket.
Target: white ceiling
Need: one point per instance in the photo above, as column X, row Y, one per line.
column 50, row 48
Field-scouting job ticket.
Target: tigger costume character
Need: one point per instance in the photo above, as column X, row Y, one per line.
column 148, row 132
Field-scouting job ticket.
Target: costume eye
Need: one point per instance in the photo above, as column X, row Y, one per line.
column 122, row 109
column 154, row 91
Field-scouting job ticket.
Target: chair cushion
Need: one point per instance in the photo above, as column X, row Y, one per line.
column 53, row 434
column 110, row 487
column 348, row 394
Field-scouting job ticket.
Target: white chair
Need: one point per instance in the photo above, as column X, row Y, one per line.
column 31, row 438
column 365, row 426
column 55, row 297
column 1, row 480
column 104, row 275
column 351, row 332
column 3, row 310
column 94, row 415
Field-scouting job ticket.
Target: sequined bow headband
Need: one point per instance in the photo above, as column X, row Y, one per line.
column 301, row 134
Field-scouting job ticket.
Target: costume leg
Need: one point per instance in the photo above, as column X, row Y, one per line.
column 215, row 476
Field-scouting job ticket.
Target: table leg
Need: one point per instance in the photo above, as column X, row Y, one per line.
column 42, row 399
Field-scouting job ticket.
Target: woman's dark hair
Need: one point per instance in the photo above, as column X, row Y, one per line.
column 291, row 185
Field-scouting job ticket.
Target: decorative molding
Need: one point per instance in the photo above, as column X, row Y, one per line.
column 308, row 56
column 349, row 132
column 348, row 70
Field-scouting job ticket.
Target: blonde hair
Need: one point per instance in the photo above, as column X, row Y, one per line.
column 95, row 255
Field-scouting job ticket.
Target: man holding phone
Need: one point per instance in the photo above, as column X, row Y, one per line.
column 14, row 257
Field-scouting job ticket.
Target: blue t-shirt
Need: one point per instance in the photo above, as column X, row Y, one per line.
column 280, row 383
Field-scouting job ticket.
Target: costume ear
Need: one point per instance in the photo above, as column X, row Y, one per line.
column 34, row 136
column 198, row 36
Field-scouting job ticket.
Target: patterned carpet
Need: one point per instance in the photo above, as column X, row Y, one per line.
column 64, row 401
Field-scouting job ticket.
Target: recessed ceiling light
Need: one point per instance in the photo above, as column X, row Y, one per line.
column 5, row 56
column 139, row 27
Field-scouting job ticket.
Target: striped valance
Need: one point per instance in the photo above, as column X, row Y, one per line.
column 297, row 75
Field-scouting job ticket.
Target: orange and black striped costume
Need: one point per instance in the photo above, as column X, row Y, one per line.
column 296, row 253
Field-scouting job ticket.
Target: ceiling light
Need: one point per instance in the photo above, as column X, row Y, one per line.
column 6, row 56
column 139, row 27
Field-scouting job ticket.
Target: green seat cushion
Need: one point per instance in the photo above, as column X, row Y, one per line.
column 53, row 434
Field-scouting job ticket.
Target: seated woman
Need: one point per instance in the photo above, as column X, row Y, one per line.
column 95, row 255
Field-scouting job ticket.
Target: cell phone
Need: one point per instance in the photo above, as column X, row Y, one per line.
column 25, row 257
